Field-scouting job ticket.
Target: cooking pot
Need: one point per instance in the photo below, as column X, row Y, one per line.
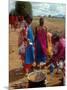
column 36, row 79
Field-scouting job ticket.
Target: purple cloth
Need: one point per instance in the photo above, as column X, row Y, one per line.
column 60, row 51
column 42, row 36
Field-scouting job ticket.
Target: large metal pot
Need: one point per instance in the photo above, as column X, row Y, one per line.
column 36, row 79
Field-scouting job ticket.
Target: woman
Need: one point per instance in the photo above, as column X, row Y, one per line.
column 22, row 41
column 29, row 52
column 41, row 43
column 58, row 49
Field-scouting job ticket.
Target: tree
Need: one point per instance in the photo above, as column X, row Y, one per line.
column 12, row 12
column 22, row 8
column 49, row 16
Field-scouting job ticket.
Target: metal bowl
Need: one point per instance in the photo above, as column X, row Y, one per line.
column 36, row 79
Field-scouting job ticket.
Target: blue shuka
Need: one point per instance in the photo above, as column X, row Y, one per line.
column 29, row 54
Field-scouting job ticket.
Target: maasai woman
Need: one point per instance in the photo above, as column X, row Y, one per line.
column 22, row 41
column 58, row 49
column 29, row 53
column 41, row 42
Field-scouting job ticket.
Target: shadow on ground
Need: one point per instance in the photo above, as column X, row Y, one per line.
column 15, row 75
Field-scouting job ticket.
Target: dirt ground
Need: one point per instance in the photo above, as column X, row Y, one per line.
column 14, row 62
